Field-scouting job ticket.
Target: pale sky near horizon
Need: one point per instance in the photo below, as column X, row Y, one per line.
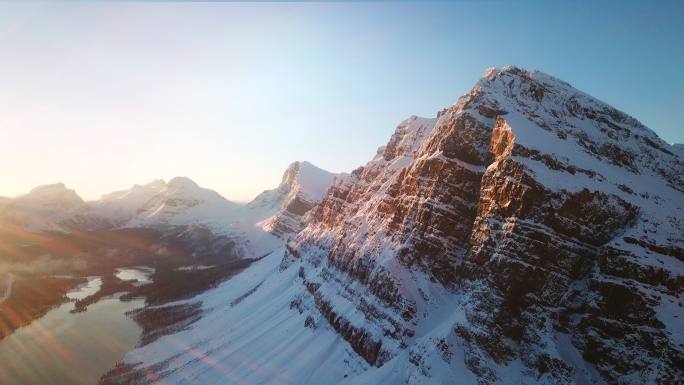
column 102, row 96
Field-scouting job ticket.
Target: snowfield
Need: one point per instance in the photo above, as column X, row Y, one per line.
column 251, row 336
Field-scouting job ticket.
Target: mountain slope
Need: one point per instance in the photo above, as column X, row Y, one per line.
column 529, row 234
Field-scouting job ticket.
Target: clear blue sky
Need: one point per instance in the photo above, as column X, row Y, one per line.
column 104, row 95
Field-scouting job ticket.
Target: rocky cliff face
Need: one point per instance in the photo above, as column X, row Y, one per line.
column 553, row 220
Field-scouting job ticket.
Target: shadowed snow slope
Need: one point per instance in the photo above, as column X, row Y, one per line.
column 528, row 234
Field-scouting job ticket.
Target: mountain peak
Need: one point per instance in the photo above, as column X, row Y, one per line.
column 290, row 174
column 306, row 178
column 546, row 115
column 407, row 137
column 45, row 208
column 48, row 188
column 157, row 183
column 53, row 194
column 529, row 74
column 182, row 182
column 135, row 193
column 302, row 187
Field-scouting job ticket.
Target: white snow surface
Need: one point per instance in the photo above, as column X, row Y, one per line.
column 183, row 202
column 311, row 181
column 122, row 206
column 252, row 338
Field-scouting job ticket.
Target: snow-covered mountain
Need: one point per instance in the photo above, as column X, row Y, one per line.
column 284, row 207
column 179, row 208
column 528, row 234
column 183, row 202
column 122, row 206
column 51, row 207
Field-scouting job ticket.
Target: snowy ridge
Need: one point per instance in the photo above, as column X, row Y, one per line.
column 122, row 206
column 281, row 211
column 183, row 202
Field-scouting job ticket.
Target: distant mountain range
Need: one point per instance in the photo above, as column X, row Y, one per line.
column 274, row 214
column 528, row 234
